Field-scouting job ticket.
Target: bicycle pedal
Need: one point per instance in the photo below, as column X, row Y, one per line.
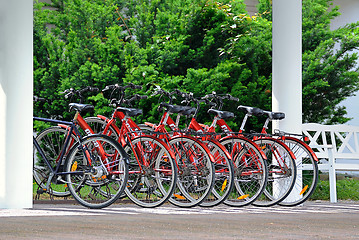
column 41, row 190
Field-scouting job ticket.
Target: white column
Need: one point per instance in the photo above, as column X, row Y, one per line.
column 16, row 86
column 287, row 70
column 287, row 63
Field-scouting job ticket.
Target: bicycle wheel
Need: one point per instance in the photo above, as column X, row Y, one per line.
column 307, row 173
column 98, row 125
column 97, row 171
column 51, row 141
column 250, row 171
column 282, row 172
column 195, row 172
column 224, row 175
column 152, row 172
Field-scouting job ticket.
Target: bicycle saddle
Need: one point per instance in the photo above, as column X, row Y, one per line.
column 82, row 108
column 174, row 108
column 130, row 112
column 221, row 114
column 188, row 111
column 251, row 110
column 275, row 115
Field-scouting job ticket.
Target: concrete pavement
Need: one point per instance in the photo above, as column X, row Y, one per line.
column 313, row 220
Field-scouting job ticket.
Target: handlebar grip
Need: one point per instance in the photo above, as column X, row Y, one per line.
column 133, row 86
column 68, row 95
column 93, row 89
column 230, row 97
column 39, row 99
column 178, row 92
column 143, row 97
column 109, row 87
column 89, row 89
column 208, row 96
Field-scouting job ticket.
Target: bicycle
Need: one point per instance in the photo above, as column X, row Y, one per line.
column 280, row 160
column 250, row 171
column 152, row 170
column 95, row 170
column 306, row 160
column 193, row 160
column 224, row 173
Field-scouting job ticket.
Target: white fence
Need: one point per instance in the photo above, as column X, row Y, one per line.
column 339, row 145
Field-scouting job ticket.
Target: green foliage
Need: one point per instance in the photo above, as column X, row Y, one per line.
column 198, row 46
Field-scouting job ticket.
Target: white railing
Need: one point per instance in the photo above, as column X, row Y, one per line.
column 339, row 145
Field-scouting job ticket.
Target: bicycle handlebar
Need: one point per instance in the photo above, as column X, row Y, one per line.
column 121, row 88
column 72, row 92
column 134, row 97
column 39, row 99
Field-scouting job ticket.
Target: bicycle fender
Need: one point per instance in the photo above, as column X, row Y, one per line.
column 161, row 142
column 215, row 142
column 249, row 140
column 280, row 143
column 108, row 120
column 304, row 144
column 200, row 143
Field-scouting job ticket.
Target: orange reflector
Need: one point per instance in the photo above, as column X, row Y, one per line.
column 179, row 196
column 74, row 167
column 65, row 185
column 224, row 185
column 263, row 147
column 103, row 177
column 243, row 197
column 303, row 190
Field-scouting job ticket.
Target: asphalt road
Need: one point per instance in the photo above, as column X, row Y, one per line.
column 313, row 220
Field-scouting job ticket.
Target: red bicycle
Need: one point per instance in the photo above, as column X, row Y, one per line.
column 247, row 160
column 152, row 169
column 280, row 160
column 92, row 168
column 305, row 158
column 193, row 159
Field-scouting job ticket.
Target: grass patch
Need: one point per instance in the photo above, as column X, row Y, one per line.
column 347, row 189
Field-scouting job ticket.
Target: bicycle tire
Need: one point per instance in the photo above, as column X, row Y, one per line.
column 250, row 171
column 195, row 172
column 152, row 172
column 282, row 172
column 224, row 175
column 307, row 173
column 51, row 141
column 98, row 126
column 98, row 181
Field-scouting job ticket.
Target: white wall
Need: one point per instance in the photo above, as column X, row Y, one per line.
column 16, row 76
column 349, row 10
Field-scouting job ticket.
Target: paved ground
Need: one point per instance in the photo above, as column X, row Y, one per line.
column 314, row 220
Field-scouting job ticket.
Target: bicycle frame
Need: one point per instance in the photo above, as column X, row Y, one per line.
column 284, row 137
column 194, row 125
column 56, row 172
column 129, row 129
column 166, row 120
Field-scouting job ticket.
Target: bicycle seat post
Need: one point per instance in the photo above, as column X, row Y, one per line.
column 244, row 121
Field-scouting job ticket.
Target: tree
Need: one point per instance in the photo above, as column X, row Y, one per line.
column 202, row 46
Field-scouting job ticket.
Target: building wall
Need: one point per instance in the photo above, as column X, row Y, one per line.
column 349, row 10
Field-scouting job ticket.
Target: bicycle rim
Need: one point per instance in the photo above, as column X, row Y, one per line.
column 152, row 172
column 250, row 171
column 282, row 172
column 307, row 174
column 195, row 172
column 99, row 171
